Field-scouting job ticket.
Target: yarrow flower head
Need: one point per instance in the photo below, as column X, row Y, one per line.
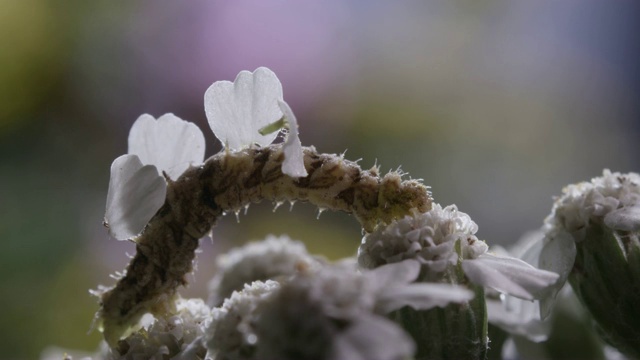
column 168, row 146
column 268, row 259
column 176, row 336
column 442, row 238
column 331, row 313
column 592, row 239
column 443, row 241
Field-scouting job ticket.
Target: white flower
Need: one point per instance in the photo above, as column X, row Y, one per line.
column 169, row 143
column 235, row 111
column 238, row 111
column 177, row 337
column 268, row 259
column 612, row 200
column 137, row 188
column 442, row 237
column 231, row 333
column 331, row 313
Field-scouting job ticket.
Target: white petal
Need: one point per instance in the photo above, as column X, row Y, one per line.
column 557, row 255
column 136, row 192
column 395, row 273
column 372, row 338
column 293, row 164
column 519, row 317
column 236, row 111
column 509, row 275
column 422, row 296
column 624, row 219
column 169, row 143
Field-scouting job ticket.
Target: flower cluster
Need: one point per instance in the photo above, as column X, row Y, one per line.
column 177, row 336
column 332, row 312
column 442, row 238
column 272, row 258
column 592, row 239
column 612, row 199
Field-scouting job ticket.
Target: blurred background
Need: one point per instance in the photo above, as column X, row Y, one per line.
column 495, row 104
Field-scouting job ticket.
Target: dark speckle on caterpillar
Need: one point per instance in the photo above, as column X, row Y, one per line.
column 227, row 182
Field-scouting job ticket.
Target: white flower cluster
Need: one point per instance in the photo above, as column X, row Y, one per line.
column 428, row 237
column 231, row 334
column 263, row 260
column 176, row 337
column 236, row 113
column 443, row 237
column 333, row 312
column 613, row 198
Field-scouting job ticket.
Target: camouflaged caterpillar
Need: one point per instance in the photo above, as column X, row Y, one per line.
column 227, row 182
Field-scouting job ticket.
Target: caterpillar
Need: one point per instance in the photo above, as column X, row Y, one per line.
column 228, row 181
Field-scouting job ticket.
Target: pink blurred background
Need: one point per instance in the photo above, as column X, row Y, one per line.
column 496, row 105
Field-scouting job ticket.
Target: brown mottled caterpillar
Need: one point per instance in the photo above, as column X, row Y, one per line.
column 229, row 181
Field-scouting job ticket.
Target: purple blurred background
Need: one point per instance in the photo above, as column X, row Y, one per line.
column 495, row 104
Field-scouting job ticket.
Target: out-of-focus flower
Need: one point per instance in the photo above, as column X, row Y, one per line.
column 592, row 238
column 238, row 111
column 178, row 336
column 231, row 333
column 137, row 188
column 331, row 313
column 269, row 259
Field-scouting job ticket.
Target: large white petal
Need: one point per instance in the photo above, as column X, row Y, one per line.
column 372, row 338
column 422, row 296
column 169, row 143
column 557, row 255
column 293, row 164
column 236, row 111
column 509, row 275
column 136, row 192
